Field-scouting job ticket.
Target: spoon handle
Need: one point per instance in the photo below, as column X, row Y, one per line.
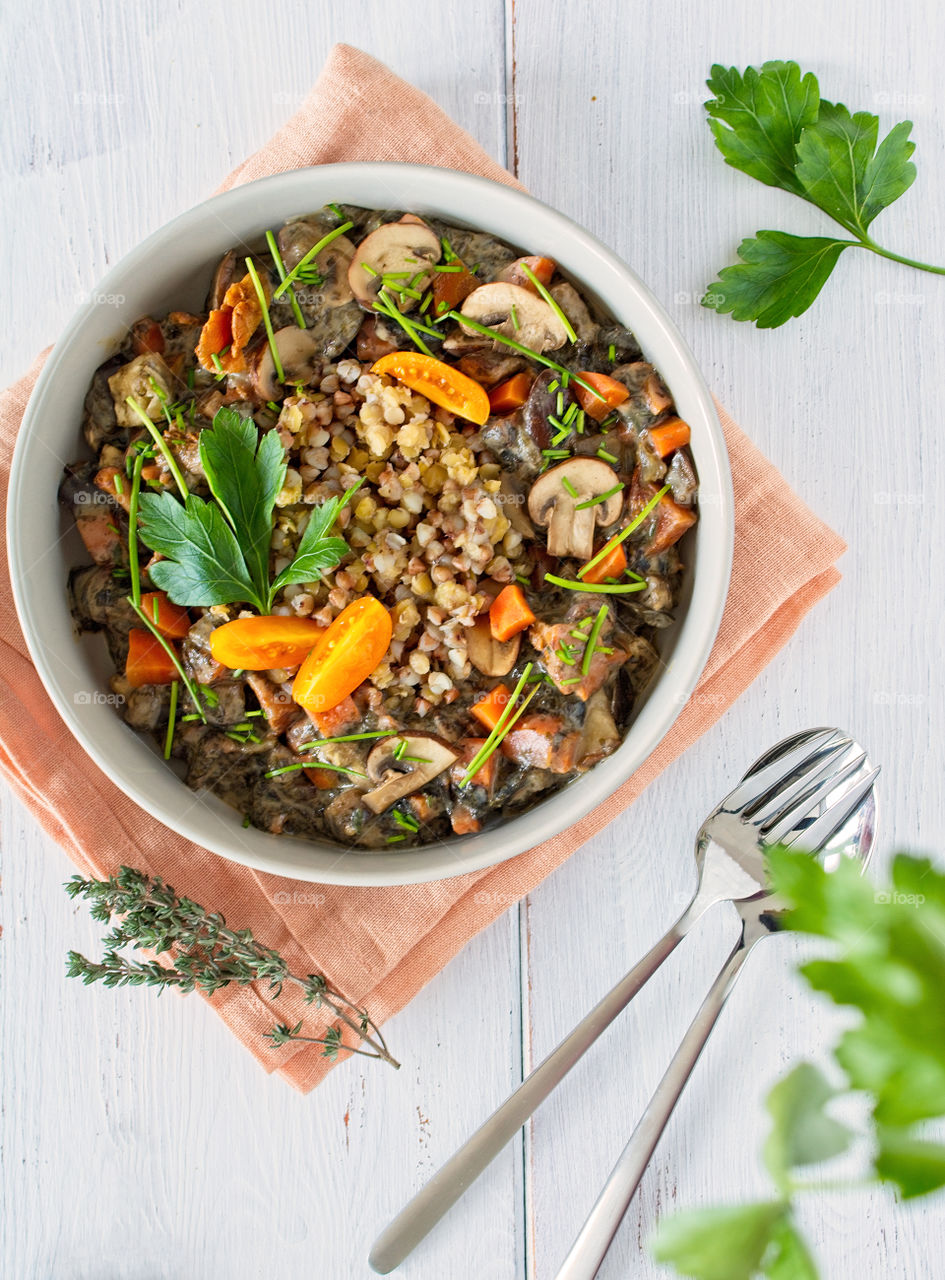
column 431, row 1202
column 594, row 1238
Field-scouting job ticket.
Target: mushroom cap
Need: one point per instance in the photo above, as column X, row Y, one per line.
column 397, row 778
column 394, row 246
column 536, row 325
column 223, row 277
column 299, row 352
column 297, row 237
column 571, row 523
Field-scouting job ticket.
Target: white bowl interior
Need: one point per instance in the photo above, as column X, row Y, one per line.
column 171, row 269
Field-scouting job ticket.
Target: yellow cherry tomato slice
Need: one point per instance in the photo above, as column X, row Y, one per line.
column 256, row 644
column 345, row 655
column 439, row 382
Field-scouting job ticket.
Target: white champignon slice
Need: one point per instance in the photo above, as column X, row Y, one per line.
column 517, row 313
column 569, row 500
column 400, row 770
column 490, row 656
column 300, row 355
column 393, row 248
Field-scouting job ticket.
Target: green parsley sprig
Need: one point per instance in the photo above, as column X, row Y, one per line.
column 773, row 125
column 886, row 963
column 207, row 955
column 217, row 552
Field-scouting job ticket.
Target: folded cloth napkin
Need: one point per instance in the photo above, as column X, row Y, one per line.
column 380, row 946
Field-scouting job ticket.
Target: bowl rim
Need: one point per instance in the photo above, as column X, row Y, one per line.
column 694, row 633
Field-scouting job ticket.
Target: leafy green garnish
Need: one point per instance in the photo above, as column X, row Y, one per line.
column 887, row 963
column 773, row 125
column 217, row 552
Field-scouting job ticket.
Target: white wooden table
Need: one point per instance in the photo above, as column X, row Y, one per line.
column 140, row 1141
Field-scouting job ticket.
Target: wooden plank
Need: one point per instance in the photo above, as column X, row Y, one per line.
column 609, row 128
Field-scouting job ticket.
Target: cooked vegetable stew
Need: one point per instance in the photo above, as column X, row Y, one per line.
column 380, row 540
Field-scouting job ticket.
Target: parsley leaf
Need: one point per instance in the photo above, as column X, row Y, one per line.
column 245, row 475
column 801, row 1132
column 757, row 118
column 204, row 564
column 773, row 125
column 317, row 551
column 718, row 1244
column 843, row 173
column 778, row 278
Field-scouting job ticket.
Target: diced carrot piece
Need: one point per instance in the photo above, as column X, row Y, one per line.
column 334, row 722
column 323, row 779
column 509, row 613
column 450, row 288
column 541, row 268
column 489, row 709
column 421, row 805
column 120, row 490
column 612, row 566
column 171, row 620
column 669, row 435
column 277, row 705
column 464, row 821
column 510, row 394
column 148, row 662
column 485, row 775
column 610, row 394
column 673, row 521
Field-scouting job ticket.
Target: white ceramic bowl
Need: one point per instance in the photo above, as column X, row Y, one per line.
column 170, row 270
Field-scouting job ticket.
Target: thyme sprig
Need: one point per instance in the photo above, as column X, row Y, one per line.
column 146, row 914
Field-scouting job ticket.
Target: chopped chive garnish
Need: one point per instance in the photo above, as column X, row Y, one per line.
column 612, row 354
column 133, row 531
column 162, row 445
column 271, row 404
column 428, row 298
column 497, row 336
column 387, row 307
column 172, row 719
column 190, row 377
column 192, row 716
column 450, row 266
column 520, row 577
column 172, row 654
column 406, row 821
column 400, row 749
column 267, row 321
column 579, row 422
column 572, row 410
column 221, row 372
column 335, row 210
column 154, row 608
column 514, row 318
column 312, row 253
column 448, row 253
column 280, row 267
column 592, row 639
column 246, row 820
column 568, row 486
column 601, row 497
column 555, row 453
column 346, row 737
column 559, row 405
column 119, row 487
column 607, row 457
column 553, row 385
column 415, row 759
column 624, row 533
column 572, row 680
column 312, row 764
column 543, row 292
column 603, row 588
column 395, row 839
column 565, row 653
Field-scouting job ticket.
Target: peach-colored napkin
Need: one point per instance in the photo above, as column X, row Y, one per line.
column 380, row 946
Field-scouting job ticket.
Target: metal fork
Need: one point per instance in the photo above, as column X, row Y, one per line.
column 766, row 806
column 849, row 813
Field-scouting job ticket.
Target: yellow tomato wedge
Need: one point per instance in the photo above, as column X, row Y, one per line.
column 345, row 655
column 439, row 382
column 256, row 644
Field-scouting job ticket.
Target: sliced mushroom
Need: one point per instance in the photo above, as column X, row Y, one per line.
column 490, row 656
column 394, row 246
column 599, row 733
column 141, row 378
column 401, row 770
column 300, row 354
column 223, row 277
column 558, row 499
column 575, row 308
column 513, row 502
column 515, row 312
column 332, row 264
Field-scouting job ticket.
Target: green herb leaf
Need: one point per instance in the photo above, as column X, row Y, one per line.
column 756, row 119
column 916, row 1166
column 802, row 1133
column 317, row 553
column 204, row 563
column 778, row 278
column 719, row 1244
column 245, row 475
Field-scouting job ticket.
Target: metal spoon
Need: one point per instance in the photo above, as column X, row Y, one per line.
column 789, row 782
column 819, row 832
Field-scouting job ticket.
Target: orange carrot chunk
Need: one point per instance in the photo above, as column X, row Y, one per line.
column 673, row 521
column 669, row 435
column 612, row 566
column 172, row 620
column 509, row 613
column 541, row 268
column 489, row 709
column 510, row 394
column 609, row 391
column 148, row 662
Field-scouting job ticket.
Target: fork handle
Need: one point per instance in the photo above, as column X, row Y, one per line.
column 423, row 1212
column 594, row 1238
